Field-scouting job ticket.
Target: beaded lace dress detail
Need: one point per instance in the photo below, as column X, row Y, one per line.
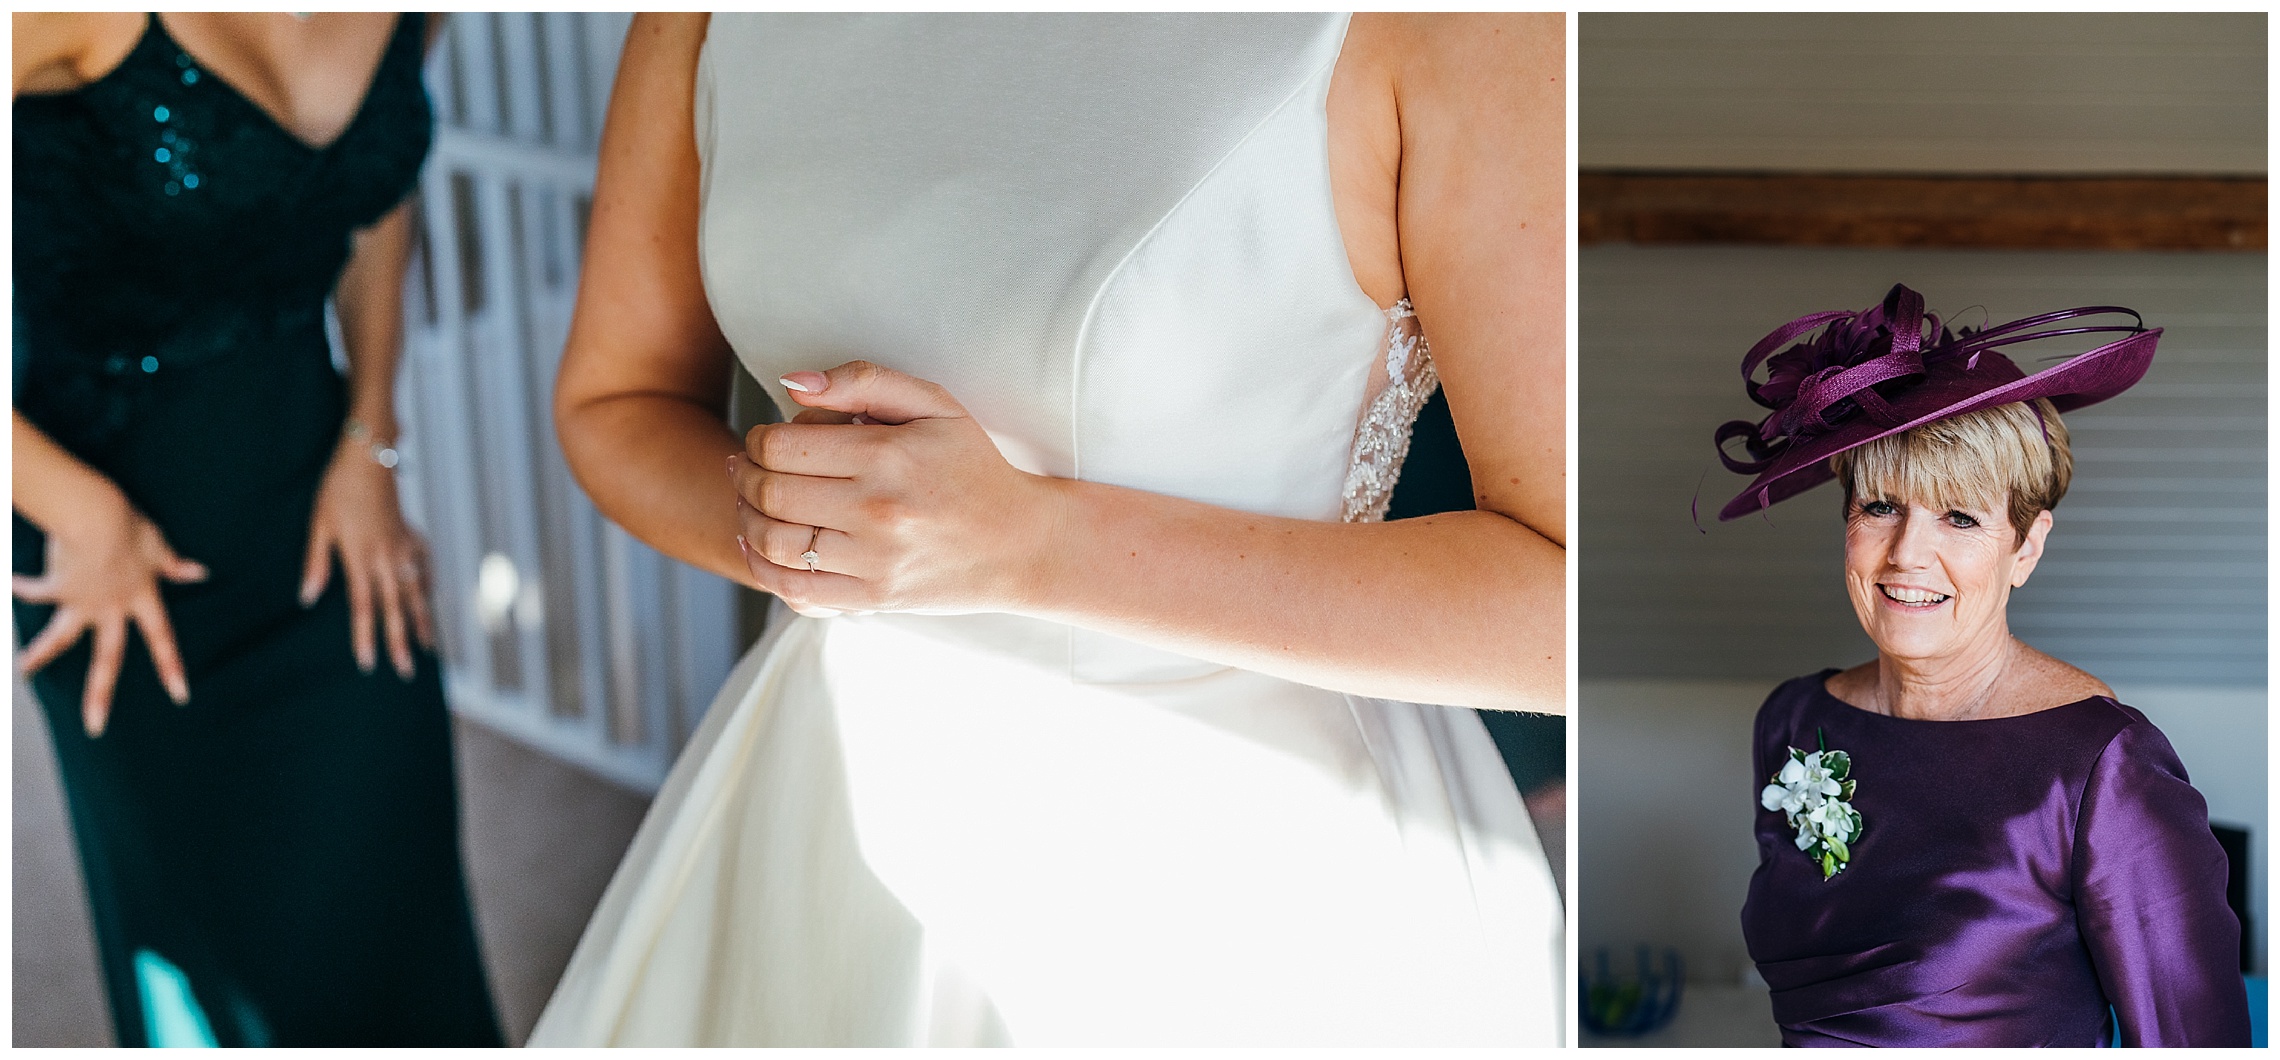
column 1381, row 441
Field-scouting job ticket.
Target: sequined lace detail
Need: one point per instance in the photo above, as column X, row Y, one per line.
column 1381, row 441
column 173, row 149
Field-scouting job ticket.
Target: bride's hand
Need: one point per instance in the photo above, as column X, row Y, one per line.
column 907, row 507
column 384, row 560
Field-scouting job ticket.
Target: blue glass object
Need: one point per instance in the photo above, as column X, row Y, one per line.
column 150, row 364
column 161, row 114
column 189, row 180
column 189, row 77
column 163, row 155
column 1634, row 1003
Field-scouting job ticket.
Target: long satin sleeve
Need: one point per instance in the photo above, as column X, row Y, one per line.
column 2149, row 882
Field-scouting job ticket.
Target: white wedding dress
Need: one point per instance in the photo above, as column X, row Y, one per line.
column 1112, row 239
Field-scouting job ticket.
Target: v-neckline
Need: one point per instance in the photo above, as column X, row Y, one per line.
column 355, row 118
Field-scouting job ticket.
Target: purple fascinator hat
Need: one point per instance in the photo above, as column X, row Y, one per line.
column 1893, row 367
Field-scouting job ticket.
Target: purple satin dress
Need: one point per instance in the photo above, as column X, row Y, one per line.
column 2013, row 878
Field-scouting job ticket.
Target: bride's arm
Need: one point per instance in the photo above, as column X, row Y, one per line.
column 1483, row 223
column 641, row 400
column 1464, row 608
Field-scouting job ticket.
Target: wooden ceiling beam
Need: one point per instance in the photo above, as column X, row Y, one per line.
column 2042, row 213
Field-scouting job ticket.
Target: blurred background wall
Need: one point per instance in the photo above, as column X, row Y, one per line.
column 1917, row 93
column 1713, row 146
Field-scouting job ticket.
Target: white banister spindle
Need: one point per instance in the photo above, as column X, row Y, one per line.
column 518, row 41
column 565, row 68
column 468, row 36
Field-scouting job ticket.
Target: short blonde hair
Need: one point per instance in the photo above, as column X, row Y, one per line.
column 1977, row 460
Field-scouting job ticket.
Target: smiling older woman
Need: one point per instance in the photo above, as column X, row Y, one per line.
column 1964, row 841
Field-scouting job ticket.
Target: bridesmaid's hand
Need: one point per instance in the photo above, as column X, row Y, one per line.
column 102, row 573
column 908, row 504
column 384, row 560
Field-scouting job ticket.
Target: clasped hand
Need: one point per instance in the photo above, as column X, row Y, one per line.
column 903, row 499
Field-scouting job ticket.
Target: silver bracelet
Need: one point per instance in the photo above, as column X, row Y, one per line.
column 383, row 453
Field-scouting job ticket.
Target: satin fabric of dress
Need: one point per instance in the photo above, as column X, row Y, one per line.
column 2014, row 878
column 1113, row 241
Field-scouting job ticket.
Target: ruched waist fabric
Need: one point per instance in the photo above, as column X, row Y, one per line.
column 84, row 382
column 1888, row 995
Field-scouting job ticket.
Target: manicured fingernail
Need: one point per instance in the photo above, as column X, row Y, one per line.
column 805, row 382
column 308, row 598
column 860, row 418
column 364, row 662
column 743, row 547
column 179, row 693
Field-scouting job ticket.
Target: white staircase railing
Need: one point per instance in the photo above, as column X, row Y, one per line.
column 558, row 628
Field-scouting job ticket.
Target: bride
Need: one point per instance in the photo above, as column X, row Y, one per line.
column 1100, row 723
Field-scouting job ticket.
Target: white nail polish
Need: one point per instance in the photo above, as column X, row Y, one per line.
column 789, row 385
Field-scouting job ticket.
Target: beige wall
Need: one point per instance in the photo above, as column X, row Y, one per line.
column 1924, row 93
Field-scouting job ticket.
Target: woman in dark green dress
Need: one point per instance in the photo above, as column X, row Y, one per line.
column 209, row 555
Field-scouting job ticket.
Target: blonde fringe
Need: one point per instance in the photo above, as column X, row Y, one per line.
column 2016, row 453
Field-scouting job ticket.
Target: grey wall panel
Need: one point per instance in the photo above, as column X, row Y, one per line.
column 2156, row 568
column 1924, row 92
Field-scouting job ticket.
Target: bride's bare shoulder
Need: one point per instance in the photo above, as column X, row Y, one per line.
column 1473, row 53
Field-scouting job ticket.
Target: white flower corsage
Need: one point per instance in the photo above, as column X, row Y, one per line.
column 1813, row 791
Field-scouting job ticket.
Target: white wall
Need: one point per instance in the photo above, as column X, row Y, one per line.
column 2220, row 734
column 1664, row 804
column 1664, row 818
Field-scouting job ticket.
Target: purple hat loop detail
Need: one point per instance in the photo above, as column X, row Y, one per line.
column 1862, row 364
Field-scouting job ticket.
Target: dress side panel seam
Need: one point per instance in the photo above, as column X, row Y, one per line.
column 1100, row 293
